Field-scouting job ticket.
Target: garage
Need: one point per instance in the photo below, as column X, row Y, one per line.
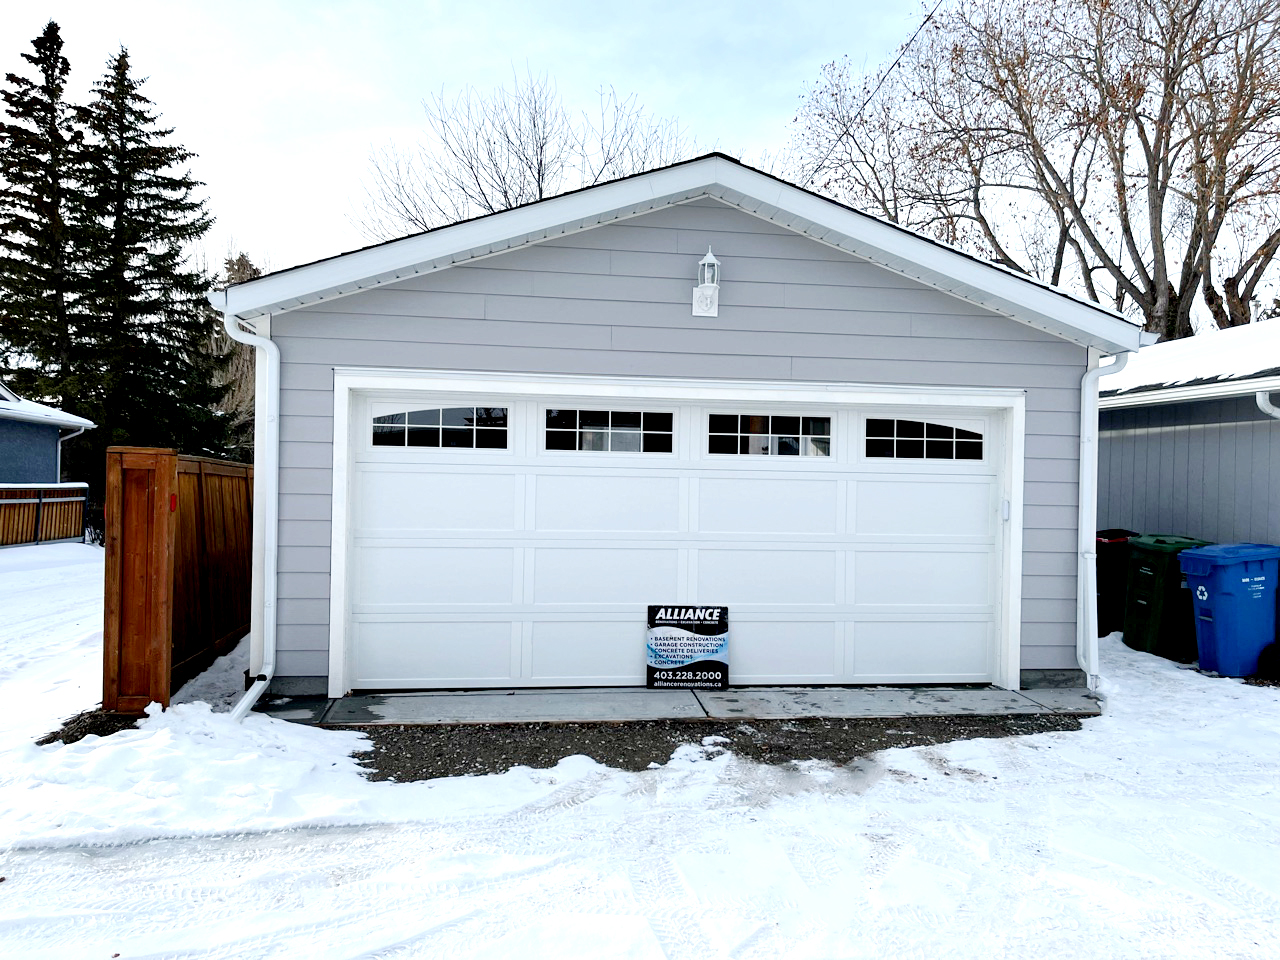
column 508, row 533
column 486, row 449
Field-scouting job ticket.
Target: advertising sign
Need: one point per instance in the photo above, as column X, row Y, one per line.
column 688, row 647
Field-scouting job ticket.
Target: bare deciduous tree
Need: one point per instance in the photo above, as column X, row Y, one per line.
column 237, row 403
column 486, row 152
column 1128, row 147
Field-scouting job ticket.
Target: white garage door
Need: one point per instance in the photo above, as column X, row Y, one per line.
column 505, row 540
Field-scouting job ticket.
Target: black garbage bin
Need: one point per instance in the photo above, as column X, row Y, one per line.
column 1157, row 615
column 1112, row 568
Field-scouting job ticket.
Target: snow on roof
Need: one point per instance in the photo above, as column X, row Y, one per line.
column 13, row 407
column 1239, row 354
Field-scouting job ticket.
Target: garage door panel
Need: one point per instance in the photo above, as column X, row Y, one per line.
column 468, row 500
column 529, row 567
column 433, row 575
column 603, row 652
column 783, row 652
column 602, row 576
column 435, row 653
column 936, row 651
column 920, row 578
column 923, row 508
column 767, row 506
column 746, row 577
column 612, row 503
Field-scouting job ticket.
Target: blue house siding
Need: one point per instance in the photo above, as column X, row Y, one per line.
column 28, row 452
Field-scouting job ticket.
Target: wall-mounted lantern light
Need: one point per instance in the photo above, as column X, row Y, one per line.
column 706, row 295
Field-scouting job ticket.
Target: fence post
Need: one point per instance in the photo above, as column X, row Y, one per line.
column 138, row 597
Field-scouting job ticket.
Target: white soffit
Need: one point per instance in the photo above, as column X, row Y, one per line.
column 895, row 248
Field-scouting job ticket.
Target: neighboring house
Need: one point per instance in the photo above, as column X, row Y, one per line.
column 1187, row 445
column 499, row 441
column 31, row 436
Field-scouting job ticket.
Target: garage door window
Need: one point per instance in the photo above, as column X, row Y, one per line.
column 762, row 435
column 626, row 431
column 470, row 427
column 918, row 440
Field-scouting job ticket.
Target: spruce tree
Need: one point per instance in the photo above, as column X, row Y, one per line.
column 41, row 161
column 147, row 300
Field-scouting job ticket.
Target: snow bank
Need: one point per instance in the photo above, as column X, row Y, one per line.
column 190, row 771
column 50, row 636
column 1152, row 832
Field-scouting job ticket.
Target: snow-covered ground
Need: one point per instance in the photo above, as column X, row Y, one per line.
column 1153, row 832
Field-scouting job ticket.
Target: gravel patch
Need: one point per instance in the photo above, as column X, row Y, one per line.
column 91, row 723
column 405, row 753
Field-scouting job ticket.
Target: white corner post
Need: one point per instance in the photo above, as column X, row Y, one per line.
column 266, row 484
column 1087, row 523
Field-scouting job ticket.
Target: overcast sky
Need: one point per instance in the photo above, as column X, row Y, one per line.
column 284, row 100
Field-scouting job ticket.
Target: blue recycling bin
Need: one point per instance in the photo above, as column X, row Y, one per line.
column 1233, row 595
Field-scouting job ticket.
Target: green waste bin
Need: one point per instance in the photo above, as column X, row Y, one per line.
column 1157, row 616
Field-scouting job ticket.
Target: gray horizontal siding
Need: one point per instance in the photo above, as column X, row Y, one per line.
column 302, row 663
column 615, row 301
column 1209, row 469
column 304, row 560
column 304, row 586
column 1059, row 655
column 643, row 340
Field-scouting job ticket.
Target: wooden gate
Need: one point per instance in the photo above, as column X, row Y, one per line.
column 41, row 512
column 178, row 570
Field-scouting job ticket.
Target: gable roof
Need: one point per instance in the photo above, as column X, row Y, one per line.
column 13, row 407
column 1217, row 363
column 893, row 247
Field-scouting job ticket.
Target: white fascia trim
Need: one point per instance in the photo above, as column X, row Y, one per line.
column 363, row 269
column 1216, row 390
column 895, row 248
column 1011, row 404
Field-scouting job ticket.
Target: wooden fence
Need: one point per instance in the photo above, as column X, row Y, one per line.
column 178, row 570
column 41, row 512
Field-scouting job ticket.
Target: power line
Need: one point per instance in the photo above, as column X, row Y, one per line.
column 883, row 77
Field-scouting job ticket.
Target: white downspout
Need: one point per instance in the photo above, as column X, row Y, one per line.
column 1265, row 405
column 76, row 433
column 266, row 484
column 1087, row 564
